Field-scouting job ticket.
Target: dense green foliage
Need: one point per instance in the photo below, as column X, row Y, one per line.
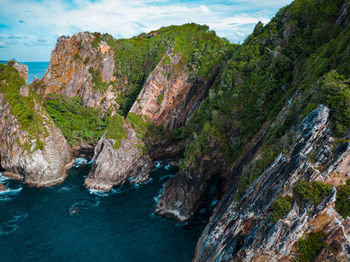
column 309, row 246
column 250, row 175
column 280, row 207
column 297, row 51
column 311, row 192
column 342, row 205
column 78, row 123
column 337, row 94
column 135, row 58
column 116, row 130
column 21, row 107
column 139, row 125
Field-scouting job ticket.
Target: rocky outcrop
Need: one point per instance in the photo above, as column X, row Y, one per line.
column 40, row 158
column 82, row 65
column 170, row 95
column 243, row 231
column 116, row 165
column 2, row 187
column 22, row 70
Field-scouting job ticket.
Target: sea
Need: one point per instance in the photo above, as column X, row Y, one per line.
column 35, row 69
column 68, row 222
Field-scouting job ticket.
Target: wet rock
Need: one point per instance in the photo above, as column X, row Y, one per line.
column 2, row 187
column 112, row 167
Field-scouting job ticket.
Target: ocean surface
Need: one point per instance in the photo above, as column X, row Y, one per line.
column 35, row 69
column 67, row 222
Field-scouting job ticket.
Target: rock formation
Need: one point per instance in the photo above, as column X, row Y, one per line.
column 22, row 70
column 36, row 153
column 243, row 231
column 82, row 65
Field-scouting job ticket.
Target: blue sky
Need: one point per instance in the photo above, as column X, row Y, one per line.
column 29, row 28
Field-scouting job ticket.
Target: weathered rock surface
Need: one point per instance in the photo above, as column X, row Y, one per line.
column 20, row 153
column 22, row 70
column 116, row 166
column 169, row 95
column 73, row 63
column 243, row 231
column 2, row 187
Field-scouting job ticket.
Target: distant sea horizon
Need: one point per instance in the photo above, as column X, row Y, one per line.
column 35, row 69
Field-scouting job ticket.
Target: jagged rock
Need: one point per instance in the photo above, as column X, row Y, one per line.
column 72, row 64
column 170, row 95
column 20, row 153
column 113, row 167
column 22, row 70
column 243, row 231
column 2, row 187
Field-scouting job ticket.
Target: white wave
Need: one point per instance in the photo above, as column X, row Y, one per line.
column 99, row 193
column 65, row 188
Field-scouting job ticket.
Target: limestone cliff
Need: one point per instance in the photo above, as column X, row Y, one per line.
column 245, row 230
column 22, row 70
column 82, row 65
column 32, row 148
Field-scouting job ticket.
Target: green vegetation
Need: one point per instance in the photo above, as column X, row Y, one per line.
column 309, row 246
column 311, row 192
column 160, row 99
column 97, row 79
column 97, row 40
column 116, row 130
column 21, row 107
column 135, row 58
column 342, row 204
column 77, row 123
column 280, row 207
column 336, row 89
column 11, row 62
column 250, row 175
column 138, row 124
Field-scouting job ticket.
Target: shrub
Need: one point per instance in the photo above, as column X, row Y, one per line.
column 309, row 246
column 280, row 207
column 342, row 204
column 311, row 192
column 77, row 123
column 116, row 130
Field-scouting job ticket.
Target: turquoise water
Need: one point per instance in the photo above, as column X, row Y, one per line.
column 68, row 223
column 35, row 69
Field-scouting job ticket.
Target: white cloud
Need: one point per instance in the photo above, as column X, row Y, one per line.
column 46, row 20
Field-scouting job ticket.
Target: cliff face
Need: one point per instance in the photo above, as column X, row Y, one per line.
column 169, row 95
column 32, row 148
column 117, row 162
column 22, row 70
column 245, row 230
column 82, row 65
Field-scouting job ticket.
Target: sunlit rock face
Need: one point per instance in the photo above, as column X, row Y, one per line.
column 243, row 231
column 81, row 67
column 22, row 70
column 41, row 160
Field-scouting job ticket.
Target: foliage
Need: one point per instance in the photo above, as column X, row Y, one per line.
column 116, row 130
column 97, row 79
column 280, row 207
column 77, row 123
column 21, row 107
column 311, row 192
column 160, row 99
column 336, row 89
column 308, row 247
column 342, row 204
column 136, row 58
column 250, row 175
column 11, row 62
column 139, row 125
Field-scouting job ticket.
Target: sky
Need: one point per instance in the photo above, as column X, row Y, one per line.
column 29, row 28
